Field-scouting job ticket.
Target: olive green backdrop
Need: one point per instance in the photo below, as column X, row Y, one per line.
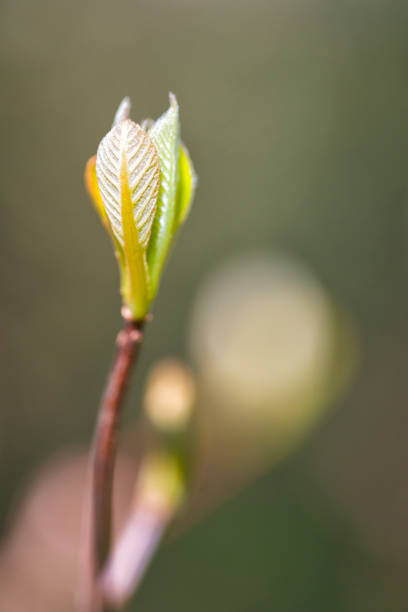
column 296, row 116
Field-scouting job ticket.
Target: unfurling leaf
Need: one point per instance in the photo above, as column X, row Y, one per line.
column 141, row 182
column 123, row 111
column 186, row 186
column 92, row 188
column 128, row 174
column 165, row 134
column 127, row 161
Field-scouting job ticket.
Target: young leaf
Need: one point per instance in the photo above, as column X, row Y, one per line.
column 128, row 173
column 165, row 135
column 123, row 111
column 186, row 186
column 147, row 124
column 92, row 188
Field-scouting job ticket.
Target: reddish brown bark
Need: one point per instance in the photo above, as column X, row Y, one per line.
column 103, row 455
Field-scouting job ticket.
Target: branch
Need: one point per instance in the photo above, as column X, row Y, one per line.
column 103, row 456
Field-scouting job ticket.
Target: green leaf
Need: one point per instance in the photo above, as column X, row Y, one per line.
column 186, row 186
column 128, row 174
column 165, row 134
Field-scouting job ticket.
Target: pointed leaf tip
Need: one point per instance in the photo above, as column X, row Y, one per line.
column 123, row 111
column 173, row 101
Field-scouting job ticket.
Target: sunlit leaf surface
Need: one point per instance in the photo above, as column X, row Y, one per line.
column 127, row 160
column 165, row 135
column 128, row 173
column 91, row 184
column 186, row 186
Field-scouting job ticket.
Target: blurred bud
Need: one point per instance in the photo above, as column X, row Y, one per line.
column 170, row 396
column 271, row 350
column 160, row 485
column 39, row 560
column 142, row 183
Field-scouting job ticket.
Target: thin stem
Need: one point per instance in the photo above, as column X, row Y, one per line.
column 103, row 455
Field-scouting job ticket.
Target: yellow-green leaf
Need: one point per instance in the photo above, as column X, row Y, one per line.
column 186, row 186
column 165, row 134
column 92, row 188
column 128, row 174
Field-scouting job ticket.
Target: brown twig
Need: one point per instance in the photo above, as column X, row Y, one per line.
column 103, row 454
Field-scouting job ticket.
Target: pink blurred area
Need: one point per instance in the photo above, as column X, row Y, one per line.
column 39, row 558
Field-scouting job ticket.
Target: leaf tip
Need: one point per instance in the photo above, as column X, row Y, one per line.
column 173, row 101
column 123, row 111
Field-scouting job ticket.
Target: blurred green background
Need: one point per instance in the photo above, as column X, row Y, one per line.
column 295, row 115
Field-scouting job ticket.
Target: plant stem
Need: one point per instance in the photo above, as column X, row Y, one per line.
column 103, row 455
